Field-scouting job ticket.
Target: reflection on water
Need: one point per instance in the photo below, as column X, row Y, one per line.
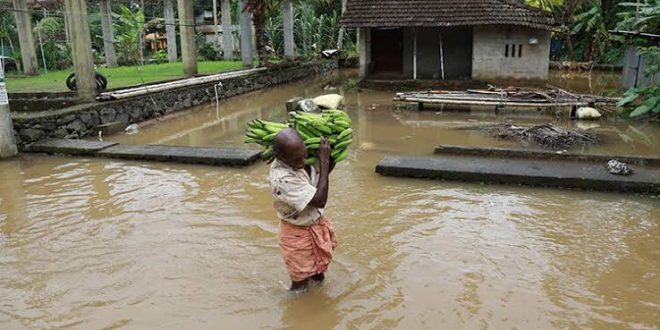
column 93, row 243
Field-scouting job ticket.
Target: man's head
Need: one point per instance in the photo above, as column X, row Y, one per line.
column 289, row 148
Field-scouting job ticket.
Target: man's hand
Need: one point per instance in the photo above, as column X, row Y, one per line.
column 324, row 152
column 321, row 196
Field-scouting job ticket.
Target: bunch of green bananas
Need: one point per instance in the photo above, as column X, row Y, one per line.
column 335, row 125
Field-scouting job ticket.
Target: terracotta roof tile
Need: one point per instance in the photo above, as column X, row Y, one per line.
column 434, row 13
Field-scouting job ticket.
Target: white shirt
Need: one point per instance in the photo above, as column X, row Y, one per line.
column 292, row 191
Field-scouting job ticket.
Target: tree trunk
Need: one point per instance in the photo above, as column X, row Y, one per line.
column 141, row 36
column 340, row 37
column 245, row 19
column 81, row 48
column 170, row 30
column 216, row 40
column 25, row 38
column 187, row 30
column 287, row 19
column 227, row 35
column 108, row 34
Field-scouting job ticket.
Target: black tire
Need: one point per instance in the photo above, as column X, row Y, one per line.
column 101, row 82
column 71, row 82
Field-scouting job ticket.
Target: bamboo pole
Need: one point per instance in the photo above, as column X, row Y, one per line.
column 415, row 56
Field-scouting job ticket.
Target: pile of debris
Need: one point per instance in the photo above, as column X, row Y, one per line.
column 514, row 97
column 545, row 135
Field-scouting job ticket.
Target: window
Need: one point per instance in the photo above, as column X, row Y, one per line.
column 512, row 53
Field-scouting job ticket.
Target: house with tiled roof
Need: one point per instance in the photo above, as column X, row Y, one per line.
column 450, row 39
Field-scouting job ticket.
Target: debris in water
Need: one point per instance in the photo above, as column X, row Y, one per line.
column 131, row 129
column 587, row 113
column 545, row 135
column 619, row 168
column 308, row 105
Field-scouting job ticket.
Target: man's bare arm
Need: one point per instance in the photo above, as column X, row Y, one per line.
column 321, row 197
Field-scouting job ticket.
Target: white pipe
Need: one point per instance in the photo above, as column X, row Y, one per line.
column 415, row 56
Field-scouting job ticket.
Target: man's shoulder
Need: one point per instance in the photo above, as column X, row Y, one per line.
column 278, row 172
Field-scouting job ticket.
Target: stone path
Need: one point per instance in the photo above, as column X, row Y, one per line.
column 546, row 173
column 225, row 156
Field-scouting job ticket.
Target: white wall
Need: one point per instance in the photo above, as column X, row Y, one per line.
column 489, row 61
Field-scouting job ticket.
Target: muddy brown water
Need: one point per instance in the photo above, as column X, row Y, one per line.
column 94, row 243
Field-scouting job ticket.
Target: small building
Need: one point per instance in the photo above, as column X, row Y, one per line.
column 450, row 39
column 634, row 63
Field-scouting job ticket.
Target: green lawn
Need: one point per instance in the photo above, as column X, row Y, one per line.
column 54, row 81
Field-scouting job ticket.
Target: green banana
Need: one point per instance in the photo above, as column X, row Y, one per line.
column 259, row 132
column 313, row 146
column 314, row 140
column 323, row 128
column 336, row 152
column 342, row 123
column 344, row 133
column 267, row 153
column 311, row 160
column 341, row 156
column 269, row 137
column 343, row 144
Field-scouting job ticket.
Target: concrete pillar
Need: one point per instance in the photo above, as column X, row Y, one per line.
column 25, row 38
column 364, row 50
column 216, row 40
column 187, row 31
column 7, row 141
column 108, row 34
column 227, row 36
column 246, row 34
column 340, row 37
column 170, row 30
column 287, row 19
column 81, row 48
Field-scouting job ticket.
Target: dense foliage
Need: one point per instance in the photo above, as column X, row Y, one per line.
column 644, row 17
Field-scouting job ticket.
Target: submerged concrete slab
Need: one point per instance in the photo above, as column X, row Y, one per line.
column 459, row 150
column 70, row 147
column 584, row 175
column 227, row 156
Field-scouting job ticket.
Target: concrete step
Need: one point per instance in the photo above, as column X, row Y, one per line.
column 225, row 156
column 546, row 173
column 458, row 150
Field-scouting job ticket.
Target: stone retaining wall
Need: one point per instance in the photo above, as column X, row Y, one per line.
column 79, row 120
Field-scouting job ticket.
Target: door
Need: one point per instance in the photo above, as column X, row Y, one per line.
column 387, row 50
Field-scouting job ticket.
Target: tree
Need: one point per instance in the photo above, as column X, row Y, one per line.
column 258, row 10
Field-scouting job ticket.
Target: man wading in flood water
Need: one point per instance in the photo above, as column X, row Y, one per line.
column 300, row 193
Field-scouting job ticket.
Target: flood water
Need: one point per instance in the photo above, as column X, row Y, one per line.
column 107, row 244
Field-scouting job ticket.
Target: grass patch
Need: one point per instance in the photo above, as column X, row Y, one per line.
column 54, row 81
